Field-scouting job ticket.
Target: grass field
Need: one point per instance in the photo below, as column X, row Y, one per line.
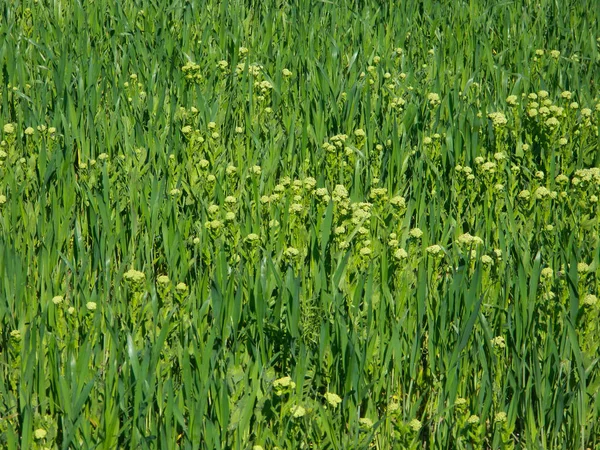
column 299, row 224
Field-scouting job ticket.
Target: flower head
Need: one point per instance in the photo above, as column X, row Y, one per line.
column 333, row 399
column 434, row 250
column 40, row 433
column 297, row 411
column 400, row 254
column 473, row 420
column 416, row 233
column 415, row 425
column 134, row 276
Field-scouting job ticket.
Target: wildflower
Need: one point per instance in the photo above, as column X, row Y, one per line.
column 498, row 119
column 15, row 334
column 252, row 237
column 547, row 273
column 181, row 287
column 186, row 129
column 296, row 208
column 500, row 417
column 230, row 200
column 398, row 201
column 541, row 193
column 339, row 193
column 393, row 406
column 57, row 299
column 489, row 167
column 134, row 276
column 473, row 420
column 2, row 199
column 583, row 267
column 359, row 133
column 498, row 254
column 468, row 239
column 400, row 254
column 499, row 342
column 555, row 54
column 9, row 128
column 257, row 447
column 487, row 260
column 524, row 194
column 378, row 192
column 40, row 433
column 552, row 122
column 434, row 99
column 460, row 402
column 213, row 210
column 286, row 73
column 366, row 423
column 291, row 252
column 229, row 216
column 284, row 382
column 29, row 131
column 91, row 306
column 333, row 399
column 434, row 250
column 365, row 251
column 416, row 233
column 511, row 100
column 415, row 425
column 163, row 279
column 590, row 300
column 231, row 170
column 174, row 192
column 339, row 230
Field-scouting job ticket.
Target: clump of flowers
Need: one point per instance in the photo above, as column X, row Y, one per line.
column 433, row 99
column 283, row 385
column 333, row 399
column 134, row 276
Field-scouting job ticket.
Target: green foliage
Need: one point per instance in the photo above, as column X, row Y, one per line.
column 311, row 224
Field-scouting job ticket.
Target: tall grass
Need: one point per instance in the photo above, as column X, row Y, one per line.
column 215, row 216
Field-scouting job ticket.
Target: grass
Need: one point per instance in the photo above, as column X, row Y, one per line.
column 215, row 215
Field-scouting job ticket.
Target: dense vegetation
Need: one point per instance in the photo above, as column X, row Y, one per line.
column 311, row 224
